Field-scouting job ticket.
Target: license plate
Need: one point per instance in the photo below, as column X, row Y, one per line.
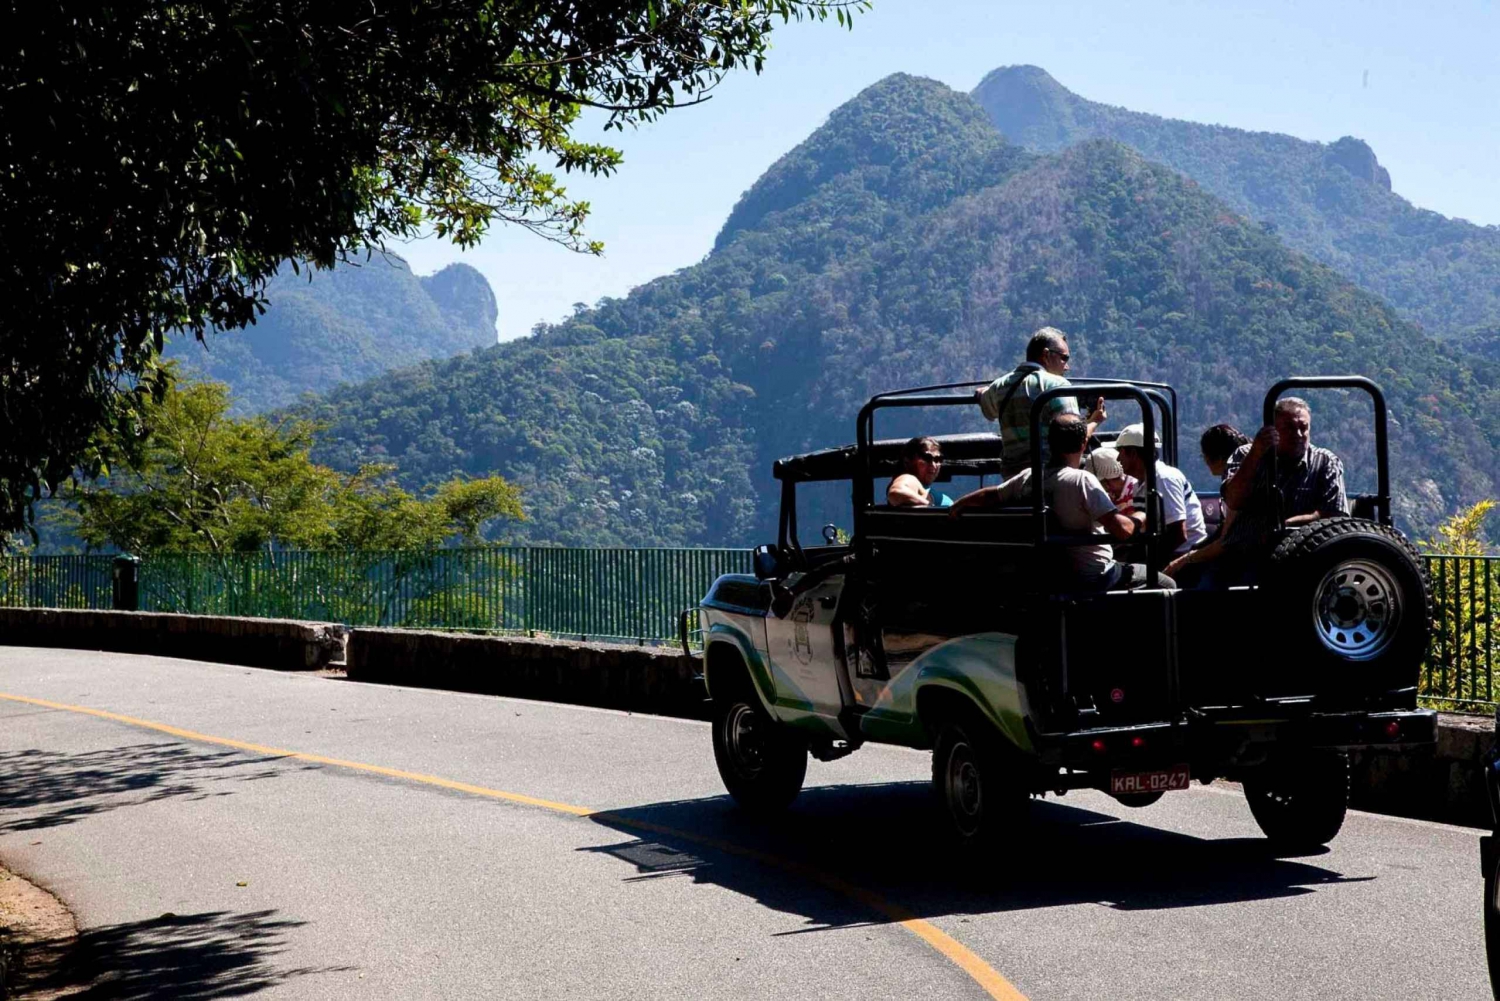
column 1157, row 780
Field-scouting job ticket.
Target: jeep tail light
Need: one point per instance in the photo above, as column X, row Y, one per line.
column 1393, row 729
column 1099, row 746
column 1137, row 741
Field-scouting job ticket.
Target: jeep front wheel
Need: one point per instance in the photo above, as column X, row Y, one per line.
column 1299, row 802
column 983, row 800
column 761, row 763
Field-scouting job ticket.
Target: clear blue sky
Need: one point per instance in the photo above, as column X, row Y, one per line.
column 1428, row 108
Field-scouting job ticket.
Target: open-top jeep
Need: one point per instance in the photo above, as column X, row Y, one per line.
column 966, row 635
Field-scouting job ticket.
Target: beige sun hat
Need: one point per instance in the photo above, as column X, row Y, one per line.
column 1104, row 463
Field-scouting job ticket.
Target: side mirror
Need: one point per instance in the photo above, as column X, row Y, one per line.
column 767, row 563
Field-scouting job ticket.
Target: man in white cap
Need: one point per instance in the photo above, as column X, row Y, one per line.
column 1181, row 511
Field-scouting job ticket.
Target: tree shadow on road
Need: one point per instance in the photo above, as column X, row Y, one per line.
column 215, row 954
column 887, row 839
column 41, row 789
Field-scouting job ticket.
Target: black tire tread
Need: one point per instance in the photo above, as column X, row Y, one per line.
column 1309, row 538
column 783, row 780
column 1309, row 823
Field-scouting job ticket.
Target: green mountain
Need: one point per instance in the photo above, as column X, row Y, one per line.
column 324, row 328
column 906, row 243
column 1331, row 201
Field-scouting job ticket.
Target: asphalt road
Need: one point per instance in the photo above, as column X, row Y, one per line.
column 425, row 844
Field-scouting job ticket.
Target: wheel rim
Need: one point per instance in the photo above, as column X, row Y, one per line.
column 964, row 788
column 745, row 739
column 1358, row 610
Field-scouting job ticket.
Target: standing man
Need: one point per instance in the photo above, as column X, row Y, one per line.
column 1008, row 399
column 1309, row 485
column 1181, row 511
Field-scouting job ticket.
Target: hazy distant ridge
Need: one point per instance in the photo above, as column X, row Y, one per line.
column 1332, row 201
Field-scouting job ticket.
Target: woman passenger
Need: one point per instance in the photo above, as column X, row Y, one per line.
column 921, row 459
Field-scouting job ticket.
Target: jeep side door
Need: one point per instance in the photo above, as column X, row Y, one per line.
column 806, row 657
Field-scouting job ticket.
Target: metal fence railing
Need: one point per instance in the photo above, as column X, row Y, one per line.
column 56, row 581
column 614, row 594
column 632, row 595
column 1459, row 672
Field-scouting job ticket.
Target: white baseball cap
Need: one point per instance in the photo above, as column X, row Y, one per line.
column 1133, row 436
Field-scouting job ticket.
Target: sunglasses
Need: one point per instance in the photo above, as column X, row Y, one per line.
column 934, row 459
column 1061, row 354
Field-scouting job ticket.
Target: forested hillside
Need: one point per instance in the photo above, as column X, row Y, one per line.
column 904, row 243
column 1331, row 201
column 323, row 328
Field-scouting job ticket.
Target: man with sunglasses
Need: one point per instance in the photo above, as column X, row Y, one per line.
column 921, row 459
column 1008, row 399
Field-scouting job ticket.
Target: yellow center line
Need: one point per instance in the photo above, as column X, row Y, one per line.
column 955, row 952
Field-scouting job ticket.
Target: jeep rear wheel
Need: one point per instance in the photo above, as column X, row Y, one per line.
column 983, row 799
column 1300, row 801
column 1355, row 598
column 761, row 762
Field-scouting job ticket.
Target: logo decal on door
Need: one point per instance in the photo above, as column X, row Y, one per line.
column 802, row 614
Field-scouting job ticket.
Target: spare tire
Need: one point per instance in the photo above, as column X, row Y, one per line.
column 1350, row 598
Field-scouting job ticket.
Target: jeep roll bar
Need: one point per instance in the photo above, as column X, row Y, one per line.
column 1146, row 395
column 1382, row 447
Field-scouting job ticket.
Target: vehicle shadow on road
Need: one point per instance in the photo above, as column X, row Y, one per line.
column 888, row 839
column 215, row 954
column 41, row 789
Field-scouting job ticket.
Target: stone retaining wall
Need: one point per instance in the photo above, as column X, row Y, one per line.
column 282, row 644
column 1445, row 782
column 640, row 678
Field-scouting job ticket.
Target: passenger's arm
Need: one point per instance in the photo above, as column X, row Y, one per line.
column 906, row 491
column 1237, row 488
column 1118, row 524
column 1097, row 416
column 1174, row 535
column 983, row 497
column 1001, row 493
column 1212, row 551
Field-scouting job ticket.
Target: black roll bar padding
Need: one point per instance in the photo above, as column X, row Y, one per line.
column 1382, row 442
column 1115, row 391
column 786, row 531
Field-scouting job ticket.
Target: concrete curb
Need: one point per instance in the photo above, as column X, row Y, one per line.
column 281, row 644
column 639, row 678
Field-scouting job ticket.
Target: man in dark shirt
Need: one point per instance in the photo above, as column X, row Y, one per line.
column 1309, row 486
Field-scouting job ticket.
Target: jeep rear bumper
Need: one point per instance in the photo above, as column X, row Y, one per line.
column 1213, row 744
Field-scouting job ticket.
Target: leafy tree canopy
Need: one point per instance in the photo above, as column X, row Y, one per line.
column 160, row 160
column 206, row 482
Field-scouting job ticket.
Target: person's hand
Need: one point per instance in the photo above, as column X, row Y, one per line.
column 1097, row 415
column 1171, row 568
column 1265, row 441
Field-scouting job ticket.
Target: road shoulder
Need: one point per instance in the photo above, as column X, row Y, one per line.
column 37, row 933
